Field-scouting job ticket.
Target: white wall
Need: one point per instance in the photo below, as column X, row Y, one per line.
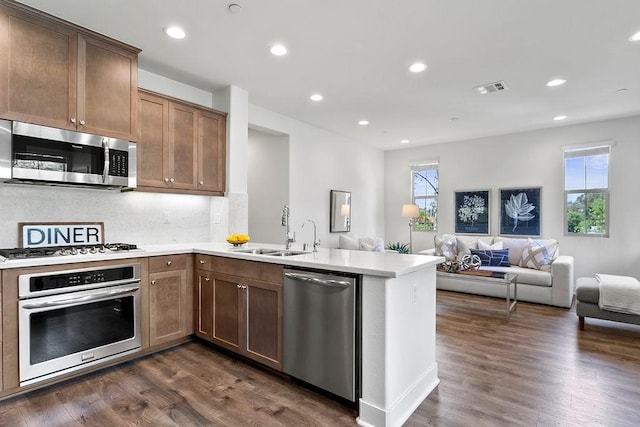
column 267, row 185
column 156, row 83
column 531, row 159
column 320, row 161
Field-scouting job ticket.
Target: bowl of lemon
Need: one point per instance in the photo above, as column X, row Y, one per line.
column 238, row 239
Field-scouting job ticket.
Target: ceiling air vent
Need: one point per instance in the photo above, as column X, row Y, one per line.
column 490, row 87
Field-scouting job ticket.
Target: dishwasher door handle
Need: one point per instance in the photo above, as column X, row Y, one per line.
column 318, row 281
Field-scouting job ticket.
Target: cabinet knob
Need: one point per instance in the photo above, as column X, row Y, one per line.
column 72, row 120
column 153, row 282
column 239, row 286
column 206, row 279
column 171, row 180
column 201, row 182
column 244, row 286
column 201, row 261
column 168, row 262
column 82, row 122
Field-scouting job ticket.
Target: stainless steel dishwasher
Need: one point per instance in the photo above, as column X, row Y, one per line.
column 321, row 330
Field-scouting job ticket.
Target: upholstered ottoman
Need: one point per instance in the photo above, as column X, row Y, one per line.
column 587, row 297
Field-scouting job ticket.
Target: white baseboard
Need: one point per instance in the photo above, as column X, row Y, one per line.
column 373, row 416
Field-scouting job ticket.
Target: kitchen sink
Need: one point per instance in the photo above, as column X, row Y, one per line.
column 270, row 252
column 259, row 251
column 286, row 253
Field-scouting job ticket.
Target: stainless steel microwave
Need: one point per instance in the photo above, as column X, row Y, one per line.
column 39, row 154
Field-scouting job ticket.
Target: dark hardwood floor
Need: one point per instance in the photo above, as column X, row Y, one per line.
column 535, row 370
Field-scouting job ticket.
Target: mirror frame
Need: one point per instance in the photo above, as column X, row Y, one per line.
column 340, row 201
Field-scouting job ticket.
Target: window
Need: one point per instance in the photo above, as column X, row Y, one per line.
column 586, row 190
column 424, row 193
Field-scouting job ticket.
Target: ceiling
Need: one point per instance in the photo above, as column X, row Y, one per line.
column 356, row 53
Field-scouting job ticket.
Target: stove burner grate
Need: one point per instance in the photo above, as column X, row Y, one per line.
column 23, row 253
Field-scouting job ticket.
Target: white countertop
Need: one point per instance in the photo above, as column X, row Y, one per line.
column 380, row 264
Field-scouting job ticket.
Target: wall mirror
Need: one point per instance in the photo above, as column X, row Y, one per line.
column 340, row 211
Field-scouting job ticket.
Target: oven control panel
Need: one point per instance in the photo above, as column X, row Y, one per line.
column 33, row 285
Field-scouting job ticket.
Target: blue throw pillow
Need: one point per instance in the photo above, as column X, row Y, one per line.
column 493, row 258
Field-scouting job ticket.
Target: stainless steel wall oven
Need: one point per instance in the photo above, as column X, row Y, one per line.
column 75, row 318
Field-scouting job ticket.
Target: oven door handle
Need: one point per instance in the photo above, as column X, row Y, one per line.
column 92, row 297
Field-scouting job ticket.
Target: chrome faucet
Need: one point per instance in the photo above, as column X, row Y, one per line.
column 285, row 223
column 316, row 242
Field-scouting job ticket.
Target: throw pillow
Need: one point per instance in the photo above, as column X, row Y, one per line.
column 492, row 258
column 445, row 246
column 515, row 246
column 486, row 246
column 539, row 254
column 465, row 244
column 348, row 242
column 371, row 244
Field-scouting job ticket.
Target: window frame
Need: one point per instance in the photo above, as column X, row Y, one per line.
column 421, row 166
column 587, row 150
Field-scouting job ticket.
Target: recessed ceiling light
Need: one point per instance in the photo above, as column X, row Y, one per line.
column 454, row 119
column 556, row 82
column 363, row 122
column 559, row 118
column 175, row 32
column 635, row 37
column 404, row 141
column 278, row 50
column 418, row 67
column 316, row 97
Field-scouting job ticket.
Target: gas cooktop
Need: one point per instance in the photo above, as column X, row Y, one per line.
column 23, row 253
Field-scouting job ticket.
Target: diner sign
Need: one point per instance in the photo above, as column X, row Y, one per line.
column 41, row 235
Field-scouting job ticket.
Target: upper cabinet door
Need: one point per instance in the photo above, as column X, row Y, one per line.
column 107, row 89
column 182, row 146
column 212, row 131
column 153, row 135
column 38, row 62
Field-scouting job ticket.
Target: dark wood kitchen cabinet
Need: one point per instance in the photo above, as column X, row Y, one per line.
column 170, row 302
column 244, row 299
column 64, row 76
column 181, row 146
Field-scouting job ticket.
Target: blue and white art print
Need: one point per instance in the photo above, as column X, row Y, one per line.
column 520, row 211
column 472, row 212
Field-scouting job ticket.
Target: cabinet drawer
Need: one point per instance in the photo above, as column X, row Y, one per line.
column 248, row 269
column 203, row 262
column 167, row 263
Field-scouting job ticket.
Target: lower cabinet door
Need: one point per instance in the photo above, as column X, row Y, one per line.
column 227, row 312
column 167, row 306
column 264, row 322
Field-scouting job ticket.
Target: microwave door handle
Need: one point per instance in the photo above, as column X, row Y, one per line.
column 105, row 172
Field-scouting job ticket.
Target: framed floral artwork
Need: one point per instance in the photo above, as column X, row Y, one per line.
column 520, row 211
column 472, row 212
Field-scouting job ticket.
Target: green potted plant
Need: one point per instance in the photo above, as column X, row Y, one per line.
column 401, row 248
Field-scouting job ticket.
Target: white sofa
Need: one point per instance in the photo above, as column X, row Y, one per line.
column 352, row 242
column 551, row 285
